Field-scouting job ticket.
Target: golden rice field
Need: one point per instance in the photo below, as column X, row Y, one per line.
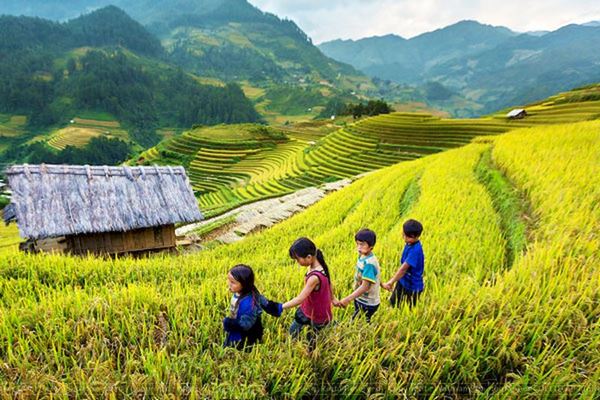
column 9, row 237
column 492, row 323
column 226, row 175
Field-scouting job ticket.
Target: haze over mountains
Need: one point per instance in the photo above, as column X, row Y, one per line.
column 492, row 66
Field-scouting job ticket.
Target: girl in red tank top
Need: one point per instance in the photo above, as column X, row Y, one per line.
column 315, row 299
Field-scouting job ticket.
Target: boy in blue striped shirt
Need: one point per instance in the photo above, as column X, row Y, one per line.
column 367, row 277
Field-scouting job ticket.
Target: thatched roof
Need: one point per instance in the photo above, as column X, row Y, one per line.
column 58, row 200
column 9, row 214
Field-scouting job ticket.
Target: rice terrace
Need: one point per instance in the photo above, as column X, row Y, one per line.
column 435, row 236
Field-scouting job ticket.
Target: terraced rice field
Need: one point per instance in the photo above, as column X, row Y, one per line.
column 230, row 173
column 81, row 131
column 12, row 125
column 228, row 167
column 217, row 160
column 549, row 112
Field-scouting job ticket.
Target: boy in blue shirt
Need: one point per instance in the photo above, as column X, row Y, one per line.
column 409, row 277
column 367, row 277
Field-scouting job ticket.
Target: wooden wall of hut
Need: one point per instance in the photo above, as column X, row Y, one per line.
column 139, row 240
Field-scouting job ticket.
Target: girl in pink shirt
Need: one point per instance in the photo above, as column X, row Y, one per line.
column 315, row 299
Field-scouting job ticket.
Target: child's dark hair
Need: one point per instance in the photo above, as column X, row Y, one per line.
column 412, row 228
column 245, row 276
column 304, row 247
column 366, row 235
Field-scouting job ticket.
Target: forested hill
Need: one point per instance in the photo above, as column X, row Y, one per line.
column 225, row 39
column 109, row 26
column 105, row 62
column 235, row 40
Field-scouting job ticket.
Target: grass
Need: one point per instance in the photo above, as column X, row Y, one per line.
column 292, row 100
column 417, row 107
column 205, row 230
column 227, row 132
column 410, row 196
column 511, row 210
column 274, row 118
column 88, row 327
column 252, row 92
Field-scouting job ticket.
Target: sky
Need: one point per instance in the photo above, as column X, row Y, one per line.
column 325, row 20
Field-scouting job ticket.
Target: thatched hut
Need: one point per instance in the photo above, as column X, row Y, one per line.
column 101, row 210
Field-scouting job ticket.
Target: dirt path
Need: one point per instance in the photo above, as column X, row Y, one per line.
column 259, row 215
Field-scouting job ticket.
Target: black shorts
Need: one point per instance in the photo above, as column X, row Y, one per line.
column 401, row 295
column 367, row 310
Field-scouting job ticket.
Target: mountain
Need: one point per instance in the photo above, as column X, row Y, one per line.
column 537, row 33
column 244, row 43
column 225, row 39
column 407, row 61
column 489, row 67
column 107, row 63
column 111, row 26
column 105, row 27
column 525, row 68
column 366, row 52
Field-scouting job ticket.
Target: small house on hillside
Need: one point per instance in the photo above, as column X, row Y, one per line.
column 100, row 210
column 517, row 113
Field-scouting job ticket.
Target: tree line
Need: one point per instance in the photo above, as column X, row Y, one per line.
column 370, row 108
column 99, row 151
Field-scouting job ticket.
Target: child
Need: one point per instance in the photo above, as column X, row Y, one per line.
column 315, row 299
column 244, row 326
column 367, row 277
column 412, row 264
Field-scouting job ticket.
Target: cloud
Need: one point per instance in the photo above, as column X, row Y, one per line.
column 353, row 19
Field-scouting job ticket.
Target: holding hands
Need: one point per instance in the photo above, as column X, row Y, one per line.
column 388, row 286
column 341, row 303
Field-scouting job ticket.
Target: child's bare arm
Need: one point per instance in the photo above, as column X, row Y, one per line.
column 364, row 287
column 311, row 284
column 397, row 276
